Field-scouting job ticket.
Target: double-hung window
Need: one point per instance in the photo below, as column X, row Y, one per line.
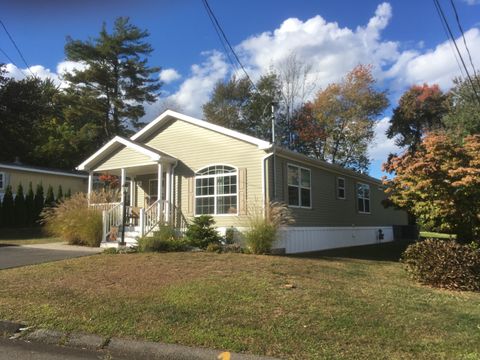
column 2, row 181
column 363, row 198
column 341, row 188
column 299, row 186
column 216, row 190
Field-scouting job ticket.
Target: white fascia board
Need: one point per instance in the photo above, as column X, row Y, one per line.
column 41, row 171
column 262, row 144
column 117, row 139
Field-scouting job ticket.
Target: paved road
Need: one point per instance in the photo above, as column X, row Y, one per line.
column 14, row 256
column 21, row 350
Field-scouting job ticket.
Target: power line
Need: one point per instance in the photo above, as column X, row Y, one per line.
column 217, row 25
column 449, row 42
column 463, row 37
column 11, row 61
column 16, row 47
column 439, row 8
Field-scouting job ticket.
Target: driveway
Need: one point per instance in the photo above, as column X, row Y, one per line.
column 14, row 256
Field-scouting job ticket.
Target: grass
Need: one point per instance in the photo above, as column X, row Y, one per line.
column 25, row 236
column 436, row 235
column 344, row 304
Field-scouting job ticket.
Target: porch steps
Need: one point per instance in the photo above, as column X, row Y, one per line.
column 132, row 233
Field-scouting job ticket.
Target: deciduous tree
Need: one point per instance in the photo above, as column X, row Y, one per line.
column 440, row 184
column 419, row 110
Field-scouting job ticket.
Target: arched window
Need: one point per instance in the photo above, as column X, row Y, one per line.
column 216, row 190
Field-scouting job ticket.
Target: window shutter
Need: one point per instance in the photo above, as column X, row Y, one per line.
column 242, row 191
column 191, row 195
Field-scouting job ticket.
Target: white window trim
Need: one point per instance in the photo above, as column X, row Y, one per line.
column 300, row 187
column 4, row 178
column 344, row 188
column 215, row 195
column 363, row 198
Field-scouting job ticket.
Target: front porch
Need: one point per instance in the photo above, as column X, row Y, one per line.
column 147, row 193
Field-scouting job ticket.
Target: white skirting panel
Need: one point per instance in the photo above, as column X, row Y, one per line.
column 306, row 239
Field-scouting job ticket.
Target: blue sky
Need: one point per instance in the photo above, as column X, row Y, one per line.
column 404, row 41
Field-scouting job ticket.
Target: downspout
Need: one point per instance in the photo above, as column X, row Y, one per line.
column 265, row 178
column 172, row 189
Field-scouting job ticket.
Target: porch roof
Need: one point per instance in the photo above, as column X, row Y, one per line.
column 118, row 143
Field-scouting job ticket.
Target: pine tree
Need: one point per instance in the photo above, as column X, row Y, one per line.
column 59, row 194
column 19, row 207
column 49, row 198
column 7, row 207
column 68, row 194
column 39, row 202
column 30, row 205
column 117, row 81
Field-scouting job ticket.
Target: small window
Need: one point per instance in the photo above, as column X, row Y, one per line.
column 341, row 188
column 363, row 198
column 2, row 181
column 216, row 190
column 299, row 186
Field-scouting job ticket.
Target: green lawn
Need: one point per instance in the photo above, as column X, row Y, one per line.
column 25, row 236
column 347, row 304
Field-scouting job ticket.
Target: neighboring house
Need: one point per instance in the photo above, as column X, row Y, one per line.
column 15, row 174
column 202, row 168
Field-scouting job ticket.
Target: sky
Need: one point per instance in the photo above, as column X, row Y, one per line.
column 402, row 39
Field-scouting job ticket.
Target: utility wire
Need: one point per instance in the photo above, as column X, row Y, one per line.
column 11, row 61
column 449, row 41
column 460, row 27
column 217, row 24
column 16, row 47
column 220, row 38
column 439, row 7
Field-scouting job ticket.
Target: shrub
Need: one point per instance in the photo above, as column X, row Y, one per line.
column 229, row 236
column 263, row 227
column 202, row 232
column 8, row 208
column 38, row 202
column 20, row 210
column 214, row 247
column 74, row 221
column 165, row 239
column 444, row 263
column 232, row 248
column 30, row 205
column 49, row 198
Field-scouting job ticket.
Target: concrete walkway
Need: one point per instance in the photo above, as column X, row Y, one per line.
column 15, row 256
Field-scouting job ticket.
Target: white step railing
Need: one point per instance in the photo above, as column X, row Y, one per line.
column 152, row 216
column 112, row 218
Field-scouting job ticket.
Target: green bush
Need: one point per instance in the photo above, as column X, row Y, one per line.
column 165, row 239
column 444, row 264
column 202, row 232
column 20, row 211
column 260, row 237
column 8, row 218
column 214, row 247
column 74, row 221
column 229, row 236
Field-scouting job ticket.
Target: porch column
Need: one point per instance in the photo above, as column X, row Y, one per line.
column 133, row 201
column 123, row 178
column 159, row 190
column 168, row 192
column 90, row 185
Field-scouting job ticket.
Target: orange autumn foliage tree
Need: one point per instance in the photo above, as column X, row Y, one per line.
column 440, row 184
column 339, row 124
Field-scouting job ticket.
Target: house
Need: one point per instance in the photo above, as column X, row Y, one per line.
column 201, row 168
column 14, row 174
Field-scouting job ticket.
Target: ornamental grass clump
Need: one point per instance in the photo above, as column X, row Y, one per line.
column 74, row 221
column 264, row 226
column 444, row 264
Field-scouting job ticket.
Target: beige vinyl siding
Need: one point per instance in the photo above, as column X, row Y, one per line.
column 327, row 209
column 196, row 148
column 24, row 177
column 126, row 157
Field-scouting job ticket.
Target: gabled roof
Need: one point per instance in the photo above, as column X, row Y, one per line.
column 170, row 114
column 154, row 154
column 42, row 170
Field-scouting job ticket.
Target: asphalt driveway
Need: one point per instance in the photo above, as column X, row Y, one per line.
column 15, row 256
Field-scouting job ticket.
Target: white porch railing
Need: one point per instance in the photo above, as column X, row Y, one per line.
column 152, row 216
column 103, row 206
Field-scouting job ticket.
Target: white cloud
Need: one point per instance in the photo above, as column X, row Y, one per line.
column 169, row 75
column 436, row 65
column 382, row 145
column 472, row 2
column 196, row 89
